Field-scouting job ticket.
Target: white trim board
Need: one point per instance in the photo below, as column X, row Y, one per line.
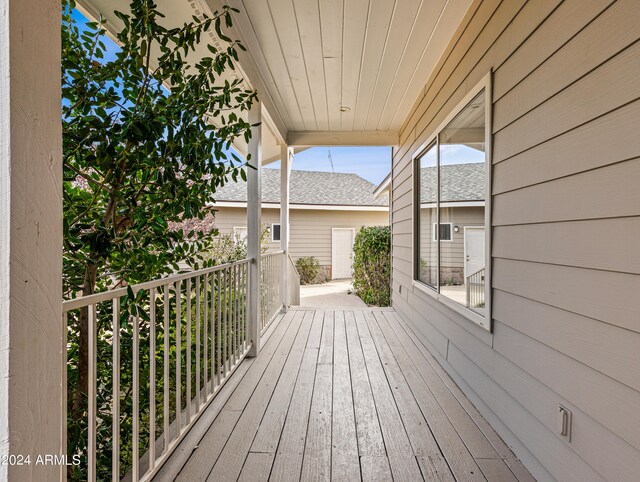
column 321, row 207
column 462, row 204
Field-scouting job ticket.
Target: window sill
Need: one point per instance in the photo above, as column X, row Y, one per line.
column 481, row 321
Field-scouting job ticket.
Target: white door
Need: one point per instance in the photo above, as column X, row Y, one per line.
column 342, row 252
column 473, row 250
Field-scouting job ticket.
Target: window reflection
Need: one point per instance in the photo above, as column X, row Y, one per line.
column 452, row 258
column 428, row 244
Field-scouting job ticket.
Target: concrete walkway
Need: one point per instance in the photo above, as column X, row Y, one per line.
column 334, row 294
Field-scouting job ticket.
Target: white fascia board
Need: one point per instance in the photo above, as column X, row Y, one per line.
column 383, row 187
column 317, row 207
column 343, row 138
column 461, row 204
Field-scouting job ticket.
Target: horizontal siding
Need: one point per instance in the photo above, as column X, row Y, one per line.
column 566, row 228
column 310, row 229
column 589, row 146
column 558, row 243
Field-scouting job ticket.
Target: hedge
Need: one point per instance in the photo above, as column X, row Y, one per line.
column 372, row 265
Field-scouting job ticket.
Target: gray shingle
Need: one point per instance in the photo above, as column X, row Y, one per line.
column 459, row 182
column 308, row 187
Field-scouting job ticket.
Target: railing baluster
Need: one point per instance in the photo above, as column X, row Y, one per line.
column 236, row 334
column 234, row 322
column 165, row 384
column 152, row 377
column 136, row 399
column 198, row 320
column 64, row 406
column 205, row 362
column 225, row 353
column 178, row 357
column 93, row 334
column 243, row 313
column 247, row 267
column 212, row 310
column 188, row 349
column 219, row 337
column 115, row 408
column 227, row 306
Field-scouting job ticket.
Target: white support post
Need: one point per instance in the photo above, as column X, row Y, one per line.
column 32, row 363
column 286, row 159
column 254, row 225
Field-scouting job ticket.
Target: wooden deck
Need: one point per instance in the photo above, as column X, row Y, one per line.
column 341, row 395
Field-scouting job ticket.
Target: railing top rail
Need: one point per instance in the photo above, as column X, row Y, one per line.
column 293, row 265
column 76, row 303
column 477, row 272
column 275, row 253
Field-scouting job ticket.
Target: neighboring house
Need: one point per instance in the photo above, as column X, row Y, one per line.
column 326, row 211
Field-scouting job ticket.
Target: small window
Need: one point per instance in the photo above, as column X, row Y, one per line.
column 275, row 232
column 445, row 232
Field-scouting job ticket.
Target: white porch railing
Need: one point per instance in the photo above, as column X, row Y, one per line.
column 475, row 289
column 164, row 348
column 293, row 283
column 270, row 286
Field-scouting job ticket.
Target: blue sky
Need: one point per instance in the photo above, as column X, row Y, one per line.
column 371, row 163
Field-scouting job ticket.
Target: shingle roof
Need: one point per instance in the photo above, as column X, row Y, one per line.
column 458, row 182
column 308, row 187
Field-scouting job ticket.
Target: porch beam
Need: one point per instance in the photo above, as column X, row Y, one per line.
column 343, row 138
column 32, row 363
column 254, row 224
column 286, row 158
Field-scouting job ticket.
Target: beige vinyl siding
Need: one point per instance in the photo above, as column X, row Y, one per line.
column 310, row 228
column 452, row 251
column 565, row 235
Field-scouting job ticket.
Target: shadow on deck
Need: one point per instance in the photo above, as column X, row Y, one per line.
column 347, row 394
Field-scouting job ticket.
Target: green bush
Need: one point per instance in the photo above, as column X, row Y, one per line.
column 308, row 268
column 372, row 265
column 228, row 247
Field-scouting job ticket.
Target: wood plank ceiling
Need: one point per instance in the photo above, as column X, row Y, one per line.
column 345, row 65
column 328, row 72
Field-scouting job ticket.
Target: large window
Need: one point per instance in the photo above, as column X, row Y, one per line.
column 450, row 220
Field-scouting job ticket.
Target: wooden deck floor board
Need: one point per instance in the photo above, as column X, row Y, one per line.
column 268, row 435
column 230, row 462
column 342, row 395
column 399, row 451
column 344, row 449
column 458, row 458
column 290, row 452
column 368, row 430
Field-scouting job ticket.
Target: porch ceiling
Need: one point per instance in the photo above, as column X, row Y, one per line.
column 345, row 65
column 329, row 72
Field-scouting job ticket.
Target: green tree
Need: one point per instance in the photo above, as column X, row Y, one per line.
column 146, row 137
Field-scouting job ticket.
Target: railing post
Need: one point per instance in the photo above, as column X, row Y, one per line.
column 32, row 363
column 286, row 159
column 254, row 228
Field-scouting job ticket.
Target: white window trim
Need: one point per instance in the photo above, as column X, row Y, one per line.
column 236, row 231
column 486, row 320
column 273, row 240
column 436, row 230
